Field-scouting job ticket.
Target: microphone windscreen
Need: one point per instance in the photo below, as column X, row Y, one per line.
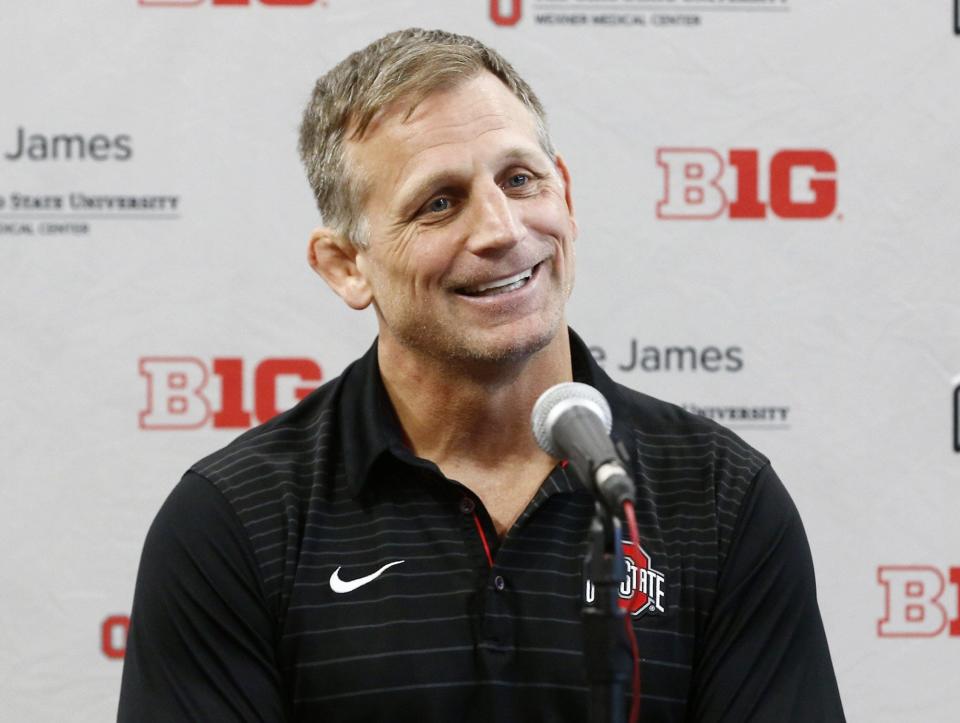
column 556, row 400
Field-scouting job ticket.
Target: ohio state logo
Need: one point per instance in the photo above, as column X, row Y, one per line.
column 113, row 636
column 797, row 184
column 506, row 12
column 642, row 588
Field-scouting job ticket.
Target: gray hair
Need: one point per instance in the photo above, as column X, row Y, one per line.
column 407, row 64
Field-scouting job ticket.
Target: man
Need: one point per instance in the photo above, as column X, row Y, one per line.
column 397, row 547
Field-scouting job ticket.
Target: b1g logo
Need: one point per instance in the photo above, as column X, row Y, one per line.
column 183, row 393
column 800, row 184
column 642, row 587
column 188, row 3
column 912, row 601
column 506, row 12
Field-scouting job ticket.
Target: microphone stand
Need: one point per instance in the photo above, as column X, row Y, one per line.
column 606, row 650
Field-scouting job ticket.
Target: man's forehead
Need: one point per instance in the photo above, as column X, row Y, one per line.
column 402, row 132
column 456, row 97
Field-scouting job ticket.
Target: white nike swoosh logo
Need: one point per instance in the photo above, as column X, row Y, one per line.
column 341, row 586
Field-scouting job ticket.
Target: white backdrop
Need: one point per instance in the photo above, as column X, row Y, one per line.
column 838, row 337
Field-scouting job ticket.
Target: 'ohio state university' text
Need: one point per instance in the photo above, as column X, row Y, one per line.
column 191, row 3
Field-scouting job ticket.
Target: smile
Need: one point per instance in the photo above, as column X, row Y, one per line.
column 500, row 286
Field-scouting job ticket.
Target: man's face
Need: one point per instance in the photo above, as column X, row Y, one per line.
column 471, row 230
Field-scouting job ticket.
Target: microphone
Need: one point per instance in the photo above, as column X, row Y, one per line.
column 572, row 421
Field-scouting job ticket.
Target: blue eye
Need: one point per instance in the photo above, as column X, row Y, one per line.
column 438, row 205
column 518, row 180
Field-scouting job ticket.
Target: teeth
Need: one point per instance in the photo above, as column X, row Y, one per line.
column 522, row 276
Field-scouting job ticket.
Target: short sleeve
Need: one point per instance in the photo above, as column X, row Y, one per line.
column 764, row 654
column 201, row 645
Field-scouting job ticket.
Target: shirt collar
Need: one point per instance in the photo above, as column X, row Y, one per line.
column 371, row 432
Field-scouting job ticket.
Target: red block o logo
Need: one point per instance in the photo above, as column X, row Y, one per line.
column 497, row 15
column 113, row 636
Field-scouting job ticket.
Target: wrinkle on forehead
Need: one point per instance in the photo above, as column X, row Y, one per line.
column 405, row 171
column 398, row 136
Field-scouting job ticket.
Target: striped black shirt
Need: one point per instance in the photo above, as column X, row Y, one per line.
column 316, row 570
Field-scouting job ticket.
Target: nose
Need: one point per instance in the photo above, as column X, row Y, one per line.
column 496, row 225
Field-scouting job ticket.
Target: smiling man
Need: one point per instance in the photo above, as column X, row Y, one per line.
column 467, row 257
column 397, row 546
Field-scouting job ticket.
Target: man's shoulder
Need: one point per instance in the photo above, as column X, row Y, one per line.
column 664, row 431
column 695, row 473
column 294, row 445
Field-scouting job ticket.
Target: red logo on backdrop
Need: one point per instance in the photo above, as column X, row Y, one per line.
column 113, row 636
column 506, row 12
column 187, row 393
column 914, row 604
column 191, row 3
column 642, row 588
column 799, row 184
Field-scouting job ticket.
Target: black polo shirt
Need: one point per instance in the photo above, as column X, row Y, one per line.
column 316, row 570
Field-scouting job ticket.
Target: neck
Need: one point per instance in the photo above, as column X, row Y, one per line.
column 471, row 415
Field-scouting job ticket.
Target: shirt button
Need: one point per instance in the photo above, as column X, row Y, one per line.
column 499, row 583
column 466, row 505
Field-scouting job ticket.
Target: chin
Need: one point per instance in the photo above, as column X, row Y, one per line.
column 506, row 345
column 466, row 344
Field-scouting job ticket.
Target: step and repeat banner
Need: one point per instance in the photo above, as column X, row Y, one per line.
column 767, row 197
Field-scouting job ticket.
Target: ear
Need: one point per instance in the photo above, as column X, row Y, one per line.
column 567, row 193
column 335, row 259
